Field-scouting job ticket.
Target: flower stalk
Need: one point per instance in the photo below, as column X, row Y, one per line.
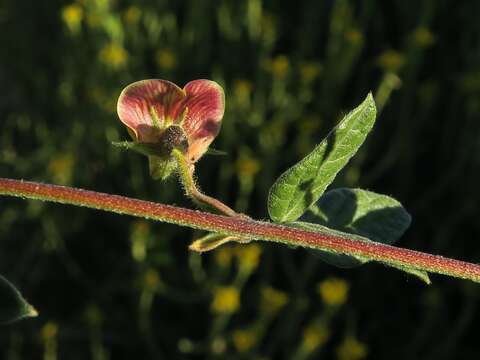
column 185, row 172
column 241, row 227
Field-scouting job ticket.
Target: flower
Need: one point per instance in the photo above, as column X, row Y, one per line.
column 248, row 257
column 314, row 336
column 226, row 300
column 279, row 66
column 423, row 37
column 49, row 331
column 151, row 280
column 333, row 291
column 272, row 300
column 72, row 16
column 351, row 349
column 247, row 166
column 132, row 15
column 354, row 36
column 243, row 339
column 139, row 238
column 161, row 117
column 391, row 60
column 165, row 59
column 113, row 56
column 242, row 89
column 61, row 168
column 309, row 71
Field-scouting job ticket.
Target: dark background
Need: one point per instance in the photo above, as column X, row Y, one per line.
column 290, row 70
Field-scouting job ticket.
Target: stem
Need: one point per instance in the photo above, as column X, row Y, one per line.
column 186, row 175
column 241, row 227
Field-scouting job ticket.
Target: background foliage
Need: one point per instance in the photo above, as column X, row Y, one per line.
column 115, row 287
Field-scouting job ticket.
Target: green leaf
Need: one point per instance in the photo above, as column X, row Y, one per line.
column 13, row 306
column 347, row 261
column 421, row 274
column 303, row 184
column 358, row 215
column 374, row 216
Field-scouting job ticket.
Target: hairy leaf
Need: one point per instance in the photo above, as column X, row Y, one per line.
column 377, row 217
column 343, row 260
column 359, row 215
column 303, row 184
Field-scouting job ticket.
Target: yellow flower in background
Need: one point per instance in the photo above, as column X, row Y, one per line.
column 247, row 166
column 354, row 37
column 242, row 90
column 218, row 345
column 309, row 71
column 139, row 237
column 151, row 280
column 132, row 15
column 243, row 339
column 391, row 60
column 423, row 37
column 113, row 56
column 226, row 300
column 61, row 168
column 72, row 16
column 49, row 334
column 140, row 228
column 248, row 257
column 314, row 336
column 280, row 66
column 223, row 256
column 351, row 349
column 49, row 331
column 166, row 59
column 333, row 291
column 272, row 300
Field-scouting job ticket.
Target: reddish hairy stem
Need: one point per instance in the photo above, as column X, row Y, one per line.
column 242, row 227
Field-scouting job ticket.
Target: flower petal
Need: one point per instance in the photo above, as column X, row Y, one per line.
column 140, row 101
column 205, row 101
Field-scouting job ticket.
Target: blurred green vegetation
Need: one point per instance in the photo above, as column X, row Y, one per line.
column 113, row 287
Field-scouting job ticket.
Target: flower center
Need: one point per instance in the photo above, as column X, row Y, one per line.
column 171, row 138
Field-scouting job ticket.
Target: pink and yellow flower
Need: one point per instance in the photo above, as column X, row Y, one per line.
column 160, row 116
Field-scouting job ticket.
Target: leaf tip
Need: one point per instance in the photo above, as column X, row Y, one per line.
column 30, row 311
column 197, row 246
column 210, row 242
column 370, row 102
